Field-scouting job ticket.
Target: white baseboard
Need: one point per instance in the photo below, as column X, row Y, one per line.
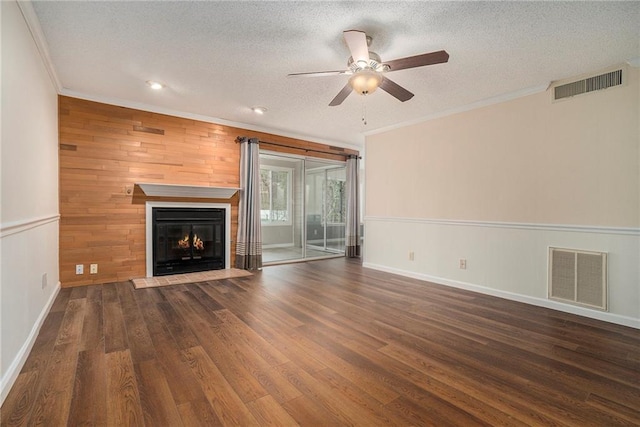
column 540, row 302
column 9, row 378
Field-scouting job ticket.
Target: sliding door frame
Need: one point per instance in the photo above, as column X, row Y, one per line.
column 303, row 182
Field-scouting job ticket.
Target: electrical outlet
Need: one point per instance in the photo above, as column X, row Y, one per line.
column 79, row 269
column 463, row 264
column 411, row 255
column 93, row 269
column 44, row 280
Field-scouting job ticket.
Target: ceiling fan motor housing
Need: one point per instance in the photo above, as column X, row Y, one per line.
column 375, row 63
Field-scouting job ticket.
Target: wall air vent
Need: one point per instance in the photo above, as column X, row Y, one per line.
column 578, row 277
column 591, row 84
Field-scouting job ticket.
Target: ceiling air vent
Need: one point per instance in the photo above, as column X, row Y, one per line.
column 578, row 277
column 603, row 81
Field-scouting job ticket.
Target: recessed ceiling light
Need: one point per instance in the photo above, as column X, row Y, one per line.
column 155, row 85
column 259, row 110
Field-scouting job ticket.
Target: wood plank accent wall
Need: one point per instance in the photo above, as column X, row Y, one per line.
column 106, row 149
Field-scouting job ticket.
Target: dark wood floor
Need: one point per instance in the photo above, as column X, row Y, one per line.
column 321, row 343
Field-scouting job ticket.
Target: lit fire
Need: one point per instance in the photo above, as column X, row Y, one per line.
column 185, row 243
column 198, row 243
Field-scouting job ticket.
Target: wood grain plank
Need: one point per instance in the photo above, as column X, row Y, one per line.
column 175, row 367
column 89, row 403
column 55, row 390
column 177, row 326
column 156, row 400
column 223, row 352
column 331, row 399
column 491, row 402
column 268, row 412
column 115, row 333
column 55, row 393
column 60, row 303
column 265, row 378
column 198, row 413
column 310, row 412
column 278, row 337
column 368, row 380
column 123, row 397
column 225, row 402
column 617, row 411
column 138, row 338
column 21, row 399
column 93, row 327
column 244, row 334
column 43, row 347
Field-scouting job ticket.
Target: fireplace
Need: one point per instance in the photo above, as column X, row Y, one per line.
column 187, row 237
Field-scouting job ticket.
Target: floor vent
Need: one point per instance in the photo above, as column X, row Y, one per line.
column 578, row 277
column 591, row 84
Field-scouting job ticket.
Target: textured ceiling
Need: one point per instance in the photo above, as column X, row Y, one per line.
column 220, row 58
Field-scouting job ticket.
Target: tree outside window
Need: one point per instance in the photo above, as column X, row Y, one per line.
column 336, row 202
column 275, row 193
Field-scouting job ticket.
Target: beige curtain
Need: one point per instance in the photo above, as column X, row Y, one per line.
column 249, row 240
column 352, row 232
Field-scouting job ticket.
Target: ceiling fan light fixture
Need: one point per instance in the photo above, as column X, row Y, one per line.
column 365, row 82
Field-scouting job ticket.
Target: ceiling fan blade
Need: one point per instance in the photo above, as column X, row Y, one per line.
column 418, row 60
column 319, row 74
column 357, row 42
column 395, row 90
column 341, row 96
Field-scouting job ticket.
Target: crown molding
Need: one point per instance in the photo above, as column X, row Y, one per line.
column 33, row 23
column 202, row 118
column 634, row 62
column 468, row 107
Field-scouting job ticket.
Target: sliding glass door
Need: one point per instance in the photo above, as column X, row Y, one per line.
column 281, row 199
column 326, row 208
column 303, row 207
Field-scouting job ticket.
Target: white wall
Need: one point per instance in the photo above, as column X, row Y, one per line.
column 29, row 213
column 500, row 184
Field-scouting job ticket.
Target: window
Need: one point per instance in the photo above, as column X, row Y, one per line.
column 336, row 201
column 275, row 194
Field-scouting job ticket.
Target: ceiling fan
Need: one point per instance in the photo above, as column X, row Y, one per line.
column 366, row 69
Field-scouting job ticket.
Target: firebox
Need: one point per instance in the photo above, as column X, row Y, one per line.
column 186, row 240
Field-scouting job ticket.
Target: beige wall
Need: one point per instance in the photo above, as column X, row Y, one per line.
column 499, row 185
column 528, row 160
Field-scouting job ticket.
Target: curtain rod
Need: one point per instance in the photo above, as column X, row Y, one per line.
column 239, row 139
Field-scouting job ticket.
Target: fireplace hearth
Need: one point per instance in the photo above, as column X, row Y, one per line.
column 187, row 240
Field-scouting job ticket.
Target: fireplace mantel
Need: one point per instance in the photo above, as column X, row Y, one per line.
column 187, row 191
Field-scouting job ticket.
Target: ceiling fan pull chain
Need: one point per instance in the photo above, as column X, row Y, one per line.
column 364, row 110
